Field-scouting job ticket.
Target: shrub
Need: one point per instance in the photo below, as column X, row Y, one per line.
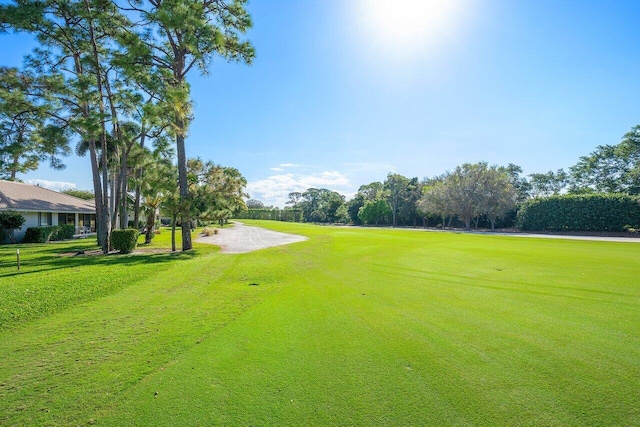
column 587, row 212
column 125, row 240
column 64, row 232
column 9, row 221
column 38, row 234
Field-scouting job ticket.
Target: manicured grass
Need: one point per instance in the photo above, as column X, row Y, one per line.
column 55, row 276
column 352, row 327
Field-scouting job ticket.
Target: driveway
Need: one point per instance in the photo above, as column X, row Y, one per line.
column 242, row 238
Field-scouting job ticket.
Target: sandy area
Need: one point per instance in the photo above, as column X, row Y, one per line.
column 242, row 238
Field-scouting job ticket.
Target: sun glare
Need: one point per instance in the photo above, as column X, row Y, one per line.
column 409, row 26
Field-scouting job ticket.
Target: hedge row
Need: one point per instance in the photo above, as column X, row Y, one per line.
column 592, row 212
column 38, row 234
column 64, row 232
column 46, row 234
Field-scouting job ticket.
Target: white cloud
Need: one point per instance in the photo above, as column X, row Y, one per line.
column 52, row 185
column 275, row 189
column 281, row 167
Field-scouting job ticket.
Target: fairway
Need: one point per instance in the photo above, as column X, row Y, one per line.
column 355, row 326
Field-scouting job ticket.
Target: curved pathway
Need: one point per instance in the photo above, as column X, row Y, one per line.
column 242, row 238
column 570, row 236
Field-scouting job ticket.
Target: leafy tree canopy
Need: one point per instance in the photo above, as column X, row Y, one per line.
column 80, row 194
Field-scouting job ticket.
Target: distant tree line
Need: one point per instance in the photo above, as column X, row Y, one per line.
column 602, row 185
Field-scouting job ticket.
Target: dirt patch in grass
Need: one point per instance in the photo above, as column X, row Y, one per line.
column 98, row 252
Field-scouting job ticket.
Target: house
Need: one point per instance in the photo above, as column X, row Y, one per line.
column 42, row 207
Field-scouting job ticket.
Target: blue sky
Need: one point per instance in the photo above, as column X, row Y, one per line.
column 343, row 92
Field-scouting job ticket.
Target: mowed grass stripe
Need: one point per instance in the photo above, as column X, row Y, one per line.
column 379, row 327
column 426, row 351
column 63, row 369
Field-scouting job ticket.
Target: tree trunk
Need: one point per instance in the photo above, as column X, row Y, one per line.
column 114, row 200
column 136, row 206
column 104, row 214
column 173, row 231
column 120, row 172
column 106, row 231
column 185, row 217
column 14, row 169
column 124, row 207
column 151, row 222
column 97, row 190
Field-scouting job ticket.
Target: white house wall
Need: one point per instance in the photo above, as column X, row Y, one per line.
column 31, row 220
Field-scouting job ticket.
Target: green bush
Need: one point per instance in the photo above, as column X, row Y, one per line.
column 64, row 232
column 125, row 240
column 39, row 234
column 585, row 212
column 9, row 221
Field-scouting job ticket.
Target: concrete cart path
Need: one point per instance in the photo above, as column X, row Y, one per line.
column 242, row 238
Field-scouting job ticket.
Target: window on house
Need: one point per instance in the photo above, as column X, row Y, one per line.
column 45, row 219
column 66, row 218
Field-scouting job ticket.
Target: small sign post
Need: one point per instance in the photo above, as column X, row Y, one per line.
column 18, row 257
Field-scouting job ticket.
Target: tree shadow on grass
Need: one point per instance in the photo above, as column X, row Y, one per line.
column 51, row 260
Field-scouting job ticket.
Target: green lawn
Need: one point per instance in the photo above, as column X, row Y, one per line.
column 352, row 327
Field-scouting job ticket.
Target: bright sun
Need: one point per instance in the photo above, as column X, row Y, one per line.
column 407, row 26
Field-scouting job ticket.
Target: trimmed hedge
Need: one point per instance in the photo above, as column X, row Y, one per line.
column 125, row 240
column 46, row 234
column 39, row 234
column 587, row 212
column 64, row 232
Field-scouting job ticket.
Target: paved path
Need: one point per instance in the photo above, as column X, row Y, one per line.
column 548, row 236
column 570, row 236
column 242, row 238
column 517, row 234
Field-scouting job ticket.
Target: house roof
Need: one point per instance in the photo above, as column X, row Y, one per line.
column 17, row 196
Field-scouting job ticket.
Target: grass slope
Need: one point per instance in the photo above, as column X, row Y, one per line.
column 353, row 327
